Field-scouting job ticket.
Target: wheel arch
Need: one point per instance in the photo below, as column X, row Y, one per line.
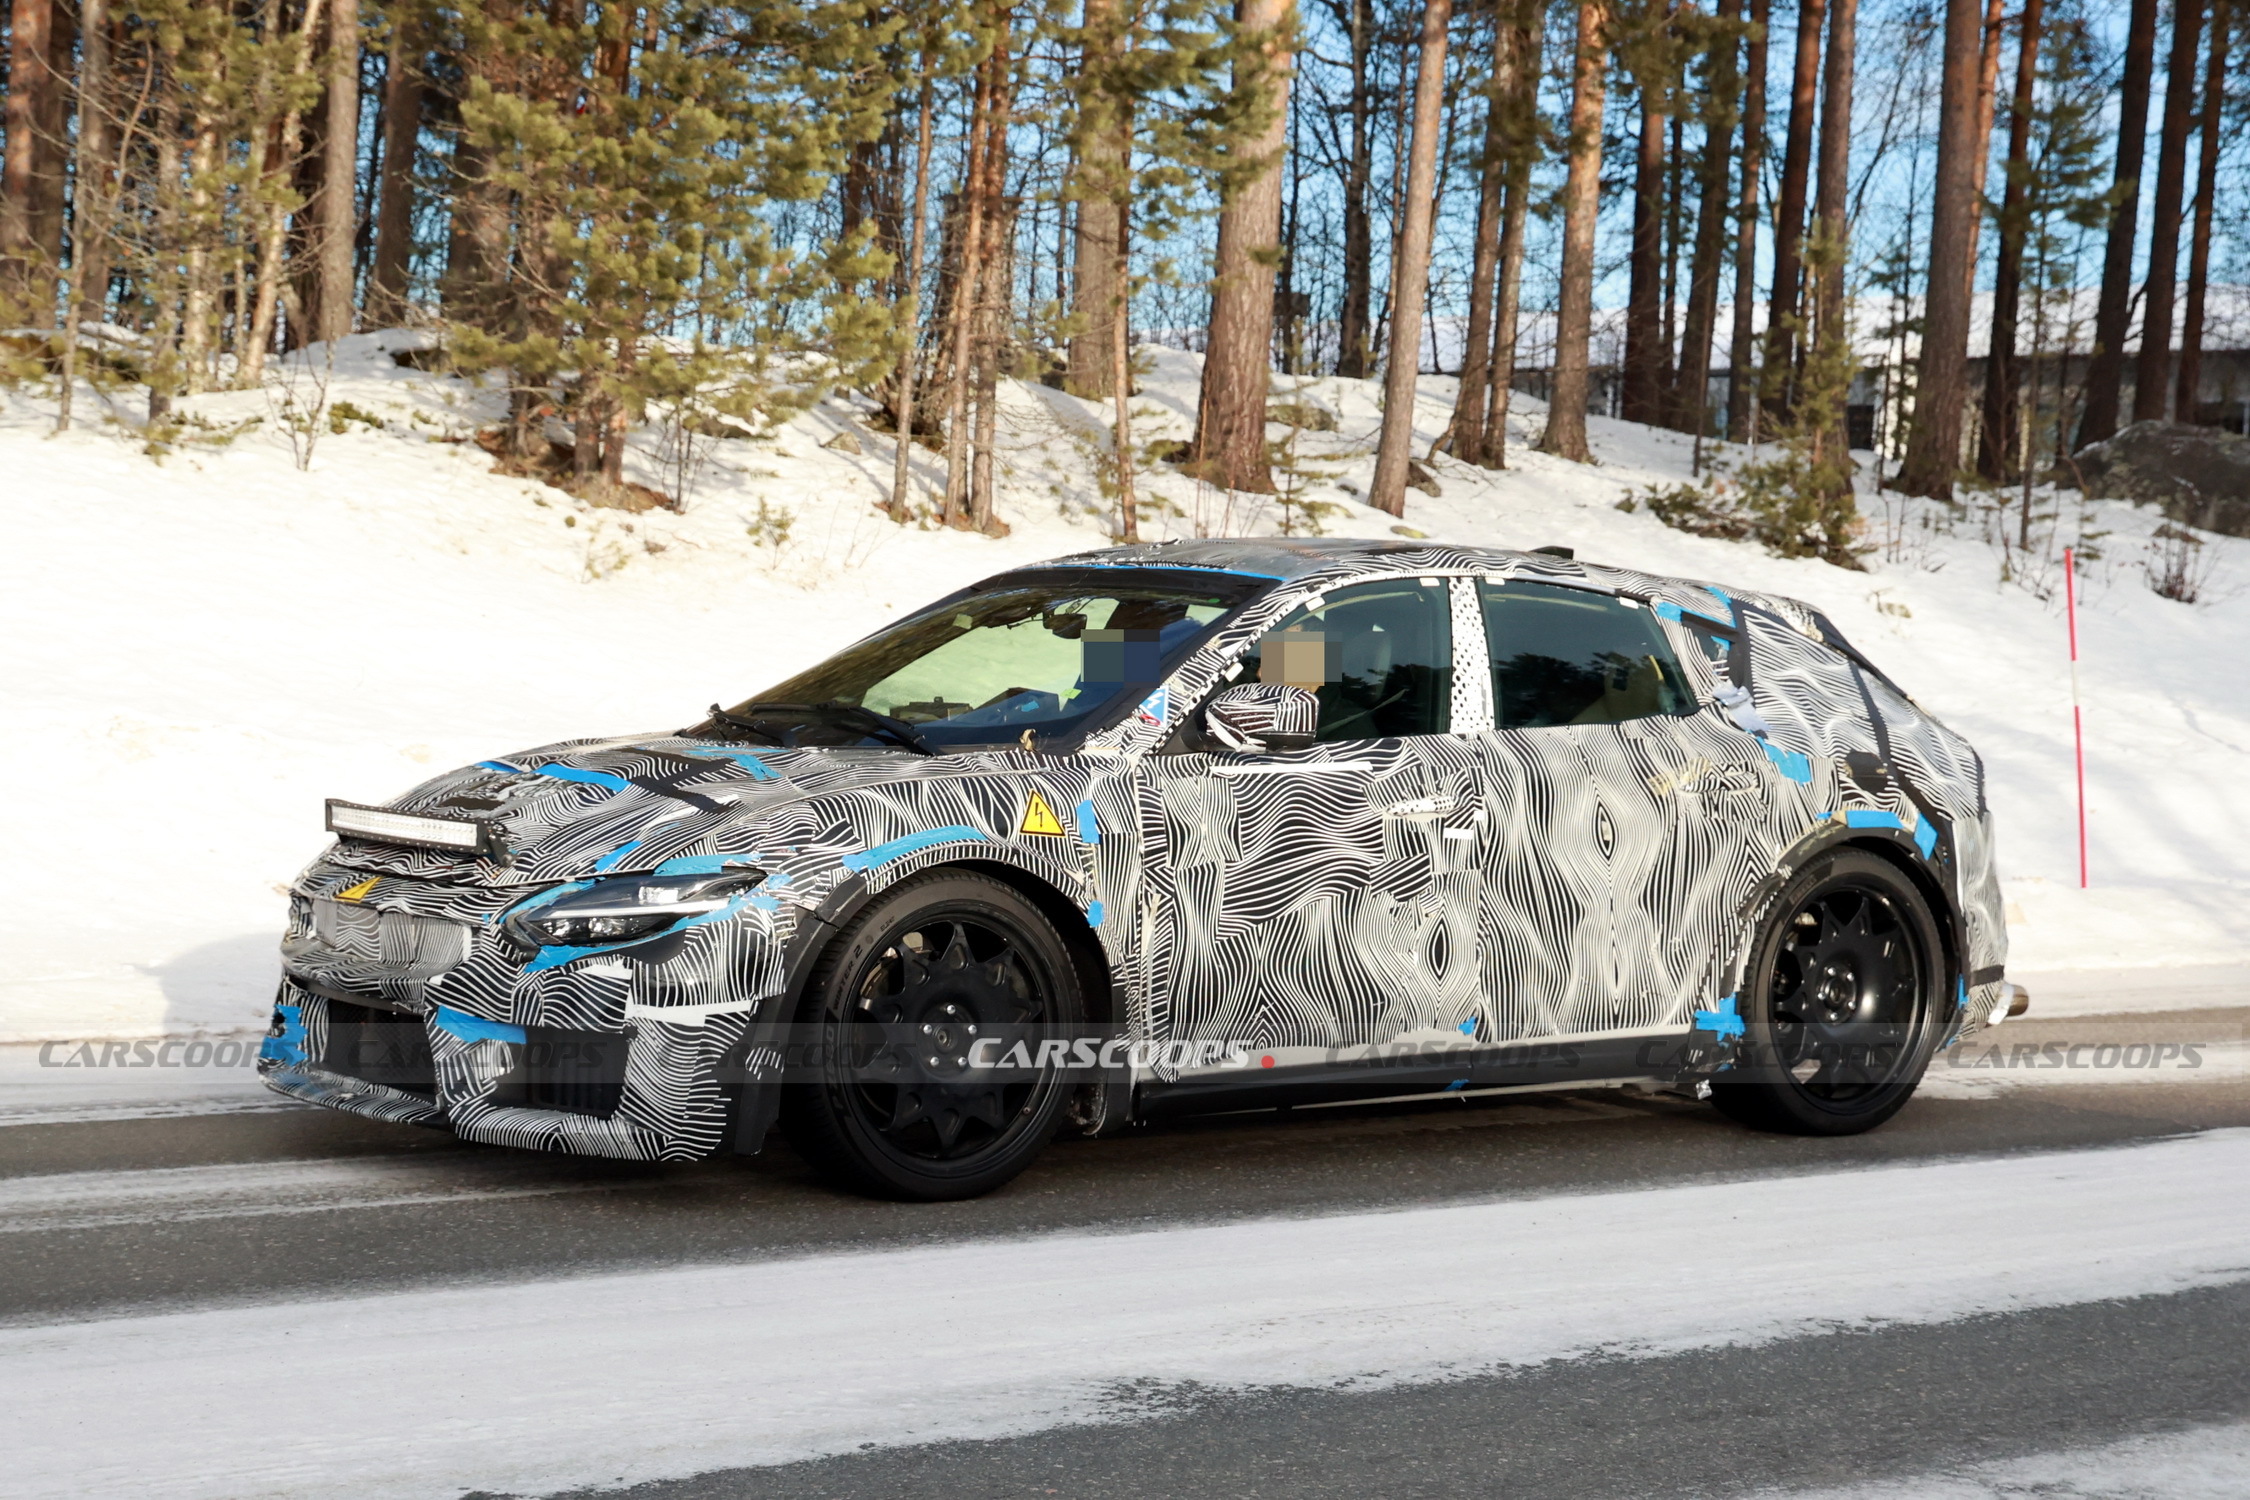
column 754, row 1107
column 1899, row 852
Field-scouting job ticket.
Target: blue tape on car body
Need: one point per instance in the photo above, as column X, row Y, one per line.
column 913, row 843
column 615, row 857
column 749, row 760
column 288, row 1049
column 1721, row 1018
column 475, row 1028
column 555, row 771
column 1791, row 763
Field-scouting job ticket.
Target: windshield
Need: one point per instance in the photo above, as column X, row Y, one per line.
column 1052, row 655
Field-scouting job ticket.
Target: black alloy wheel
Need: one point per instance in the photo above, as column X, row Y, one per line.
column 1843, row 1003
column 913, row 1003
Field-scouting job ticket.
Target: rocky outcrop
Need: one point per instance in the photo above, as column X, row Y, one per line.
column 2198, row 476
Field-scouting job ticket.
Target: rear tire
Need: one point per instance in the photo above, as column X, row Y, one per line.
column 1842, row 1002
column 928, row 972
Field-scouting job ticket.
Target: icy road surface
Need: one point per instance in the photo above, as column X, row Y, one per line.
column 532, row 1384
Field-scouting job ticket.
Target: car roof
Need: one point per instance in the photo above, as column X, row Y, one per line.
column 1282, row 558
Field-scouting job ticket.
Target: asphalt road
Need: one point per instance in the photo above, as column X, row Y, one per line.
column 127, row 1217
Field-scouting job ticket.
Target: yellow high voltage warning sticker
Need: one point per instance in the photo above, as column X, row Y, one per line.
column 361, row 891
column 1038, row 817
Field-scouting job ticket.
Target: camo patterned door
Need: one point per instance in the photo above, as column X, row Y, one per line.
column 1325, row 899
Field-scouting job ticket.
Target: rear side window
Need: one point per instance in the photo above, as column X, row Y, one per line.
column 1379, row 656
column 1566, row 656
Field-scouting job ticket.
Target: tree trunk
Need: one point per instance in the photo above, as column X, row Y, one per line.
column 1980, row 159
column 2190, row 399
column 273, row 161
column 910, row 312
column 1121, row 398
column 334, row 211
column 1997, row 454
column 1644, row 340
column 1783, row 314
column 1933, row 447
column 403, row 92
column 1410, row 273
column 1105, row 148
column 2152, row 382
column 1691, row 391
column 90, row 210
column 26, row 272
column 1741, row 346
column 1230, row 419
column 1831, row 442
column 474, row 289
column 51, row 184
column 967, row 277
column 994, row 287
column 1527, row 34
column 200, row 293
column 2105, row 370
column 1484, row 260
column 1353, row 337
column 1581, row 201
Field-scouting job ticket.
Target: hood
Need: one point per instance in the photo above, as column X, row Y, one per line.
column 620, row 806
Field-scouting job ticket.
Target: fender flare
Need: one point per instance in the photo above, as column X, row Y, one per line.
column 756, row 1101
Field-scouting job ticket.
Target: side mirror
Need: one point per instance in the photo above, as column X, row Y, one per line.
column 1261, row 718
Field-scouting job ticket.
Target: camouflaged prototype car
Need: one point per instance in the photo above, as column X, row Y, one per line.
column 1161, row 829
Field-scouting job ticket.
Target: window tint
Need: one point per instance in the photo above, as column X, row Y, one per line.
column 1566, row 656
column 1379, row 656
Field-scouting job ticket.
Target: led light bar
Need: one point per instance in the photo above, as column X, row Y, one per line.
column 461, row 835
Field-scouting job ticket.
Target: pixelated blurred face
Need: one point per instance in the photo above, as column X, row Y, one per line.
column 1299, row 656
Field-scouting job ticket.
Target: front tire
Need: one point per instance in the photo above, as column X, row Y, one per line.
column 929, row 971
column 1841, row 1004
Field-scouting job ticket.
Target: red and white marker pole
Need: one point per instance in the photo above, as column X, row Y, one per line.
column 2077, row 720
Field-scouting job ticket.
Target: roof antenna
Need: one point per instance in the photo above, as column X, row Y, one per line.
column 1566, row 553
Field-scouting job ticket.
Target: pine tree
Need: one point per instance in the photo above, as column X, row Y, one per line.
column 2152, row 383
column 642, row 167
column 1784, row 316
column 1742, row 387
column 1410, row 268
column 1996, row 453
column 2105, row 370
column 1718, row 109
column 1566, row 409
column 1933, row 453
column 1229, row 447
column 2190, row 395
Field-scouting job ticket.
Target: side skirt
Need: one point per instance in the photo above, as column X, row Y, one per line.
column 1580, row 1062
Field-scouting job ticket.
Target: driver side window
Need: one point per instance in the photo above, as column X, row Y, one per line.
column 1379, row 656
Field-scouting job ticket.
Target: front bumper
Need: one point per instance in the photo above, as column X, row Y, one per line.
column 649, row 1092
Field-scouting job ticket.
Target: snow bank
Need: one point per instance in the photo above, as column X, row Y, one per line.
column 202, row 648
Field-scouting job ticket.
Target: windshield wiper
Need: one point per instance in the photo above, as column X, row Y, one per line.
column 748, row 726
column 881, row 726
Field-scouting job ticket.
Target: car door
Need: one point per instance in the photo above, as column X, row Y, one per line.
column 1315, row 903
column 1623, row 837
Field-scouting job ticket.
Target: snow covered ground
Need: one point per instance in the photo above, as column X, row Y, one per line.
column 676, row 1366
column 199, row 649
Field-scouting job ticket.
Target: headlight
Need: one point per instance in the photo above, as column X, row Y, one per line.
column 632, row 906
